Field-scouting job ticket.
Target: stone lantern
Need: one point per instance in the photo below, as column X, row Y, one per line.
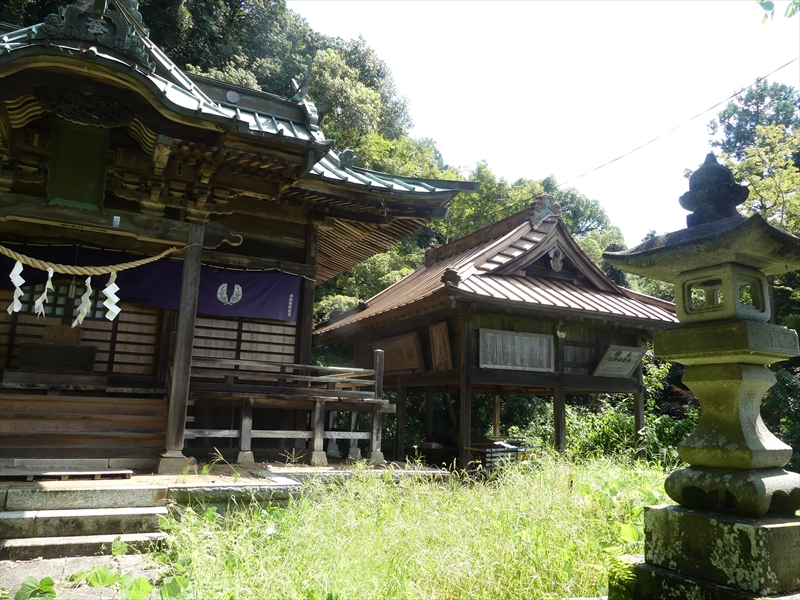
column 736, row 526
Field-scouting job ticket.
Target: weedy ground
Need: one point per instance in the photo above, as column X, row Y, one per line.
column 547, row 528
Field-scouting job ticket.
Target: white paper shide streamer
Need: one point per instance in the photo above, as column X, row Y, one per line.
column 86, row 303
column 110, row 303
column 38, row 306
column 18, row 281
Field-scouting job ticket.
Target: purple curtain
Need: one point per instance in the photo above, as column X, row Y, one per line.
column 223, row 292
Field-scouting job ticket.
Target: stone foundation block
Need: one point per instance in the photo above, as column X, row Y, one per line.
column 757, row 556
column 318, row 459
column 175, row 463
column 654, row 583
column 245, row 458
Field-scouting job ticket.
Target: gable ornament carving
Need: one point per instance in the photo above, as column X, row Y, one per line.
column 113, row 28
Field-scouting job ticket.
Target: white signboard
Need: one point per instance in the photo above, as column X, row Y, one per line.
column 619, row 361
column 516, row 351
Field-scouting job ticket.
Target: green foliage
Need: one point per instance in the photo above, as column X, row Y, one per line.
column 792, row 8
column 532, row 530
column 333, row 306
column 772, row 174
column 36, row 589
column 781, row 411
column 762, row 104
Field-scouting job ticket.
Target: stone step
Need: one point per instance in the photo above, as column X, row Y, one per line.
column 91, row 521
column 63, row 495
column 81, row 545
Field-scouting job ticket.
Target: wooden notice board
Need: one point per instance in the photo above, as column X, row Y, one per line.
column 516, row 351
column 402, row 354
column 619, row 361
column 440, row 347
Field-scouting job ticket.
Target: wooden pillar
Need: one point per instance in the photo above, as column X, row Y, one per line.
column 305, row 325
column 638, row 403
column 465, row 420
column 428, row 414
column 354, row 452
column 560, row 401
column 246, row 433
column 306, row 316
column 333, row 446
column 173, row 460
column 376, row 421
column 318, row 458
column 496, row 415
column 400, row 441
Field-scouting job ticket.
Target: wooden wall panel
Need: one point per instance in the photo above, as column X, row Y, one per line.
column 42, row 426
column 132, row 339
column 246, row 339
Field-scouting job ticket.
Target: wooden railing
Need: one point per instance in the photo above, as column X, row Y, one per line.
column 275, row 379
column 316, row 385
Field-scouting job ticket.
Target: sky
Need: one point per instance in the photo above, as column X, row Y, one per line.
column 563, row 87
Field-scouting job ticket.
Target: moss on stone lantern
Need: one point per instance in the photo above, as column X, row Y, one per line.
column 719, row 266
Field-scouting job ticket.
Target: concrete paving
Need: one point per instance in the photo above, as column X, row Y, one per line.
column 13, row 573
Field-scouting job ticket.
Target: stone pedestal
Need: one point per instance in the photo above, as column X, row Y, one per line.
column 376, row 458
column 245, row 457
column 354, row 453
column 655, row 583
column 760, row 556
column 319, row 459
column 716, row 555
column 173, row 462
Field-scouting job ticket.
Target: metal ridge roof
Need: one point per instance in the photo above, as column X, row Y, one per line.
column 331, row 168
column 472, row 275
column 176, row 89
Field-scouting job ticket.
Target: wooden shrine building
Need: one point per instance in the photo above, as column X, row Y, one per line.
column 111, row 155
column 515, row 308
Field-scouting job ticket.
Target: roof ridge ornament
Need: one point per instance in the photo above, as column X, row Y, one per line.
column 543, row 208
column 94, row 21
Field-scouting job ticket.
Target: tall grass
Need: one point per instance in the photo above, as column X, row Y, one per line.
column 536, row 530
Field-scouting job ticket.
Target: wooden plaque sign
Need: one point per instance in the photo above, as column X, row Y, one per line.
column 401, row 354
column 440, row 347
column 516, row 351
column 619, row 361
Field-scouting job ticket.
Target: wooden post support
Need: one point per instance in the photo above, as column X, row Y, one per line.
column 638, row 403
column 306, row 316
column 400, row 441
column 354, row 452
column 173, row 460
column 376, row 421
column 428, row 414
column 318, row 458
column 465, row 421
column 560, row 402
column 496, row 415
column 333, row 446
column 245, row 455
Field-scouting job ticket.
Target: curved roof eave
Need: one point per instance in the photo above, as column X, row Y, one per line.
column 182, row 103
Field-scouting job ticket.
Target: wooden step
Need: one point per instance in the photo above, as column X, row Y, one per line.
column 29, row 474
column 81, row 545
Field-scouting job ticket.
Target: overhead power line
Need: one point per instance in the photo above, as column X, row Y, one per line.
column 697, row 116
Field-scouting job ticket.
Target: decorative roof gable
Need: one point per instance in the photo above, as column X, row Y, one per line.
column 559, row 249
